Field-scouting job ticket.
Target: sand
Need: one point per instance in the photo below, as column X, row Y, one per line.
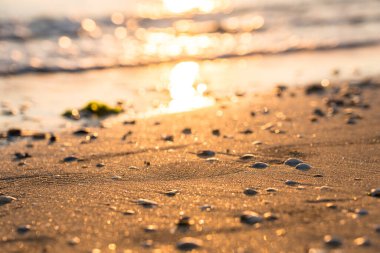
column 61, row 201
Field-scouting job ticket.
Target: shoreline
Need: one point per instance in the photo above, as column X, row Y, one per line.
column 85, row 195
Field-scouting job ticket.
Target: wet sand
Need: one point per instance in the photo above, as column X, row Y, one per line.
column 90, row 204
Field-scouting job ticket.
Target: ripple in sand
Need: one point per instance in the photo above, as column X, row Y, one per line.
column 189, row 243
column 250, row 218
column 260, row 165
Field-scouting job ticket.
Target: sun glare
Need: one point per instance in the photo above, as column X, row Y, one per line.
column 182, row 6
column 185, row 89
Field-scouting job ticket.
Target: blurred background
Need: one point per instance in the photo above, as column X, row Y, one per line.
column 130, row 50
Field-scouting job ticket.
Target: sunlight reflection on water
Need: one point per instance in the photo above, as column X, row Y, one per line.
column 186, row 91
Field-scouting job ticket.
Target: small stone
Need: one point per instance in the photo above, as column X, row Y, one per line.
column 318, row 112
column 6, row 199
column 250, row 192
column 70, row 159
column 331, row 206
column 250, row 218
column 246, row 131
column 270, row 216
column 116, row 178
column 362, row 241
column 361, row 212
column 100, row 165
column 207, row 208
column 377, row 228
column 318, row 175
column 293, row 162
column 23, row 229
column 167, row 138
column 206, row 154
column 150, row 228
column 171, row 193
column 132, row 168
column 185, row 221
column 246, row 157
column 271, row 190
column 332, row 241
column 212, row 159
column 216, row 132
column 146, row 203
column 148, row 244
column 40, row 136
column 260, row 165
column 256, row 143
column 53, row 138
column 186, row 131
column 129, row 212
column 303, row 166
column 21, row 156
column 82, row 131
column 73, row 241
column 291, row 182
column 129, row 122
column 189, row 243
column 351, row 121
column 375, row 193
column 14, row 132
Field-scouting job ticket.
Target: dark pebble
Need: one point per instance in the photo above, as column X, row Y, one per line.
column 21, row 156
column 206, row 154
column 216, row 132
column 186, row 131
column 23, row 229
column 189, row 244
column 250, row 192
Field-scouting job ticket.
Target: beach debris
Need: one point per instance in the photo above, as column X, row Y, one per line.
column 93, row 108
column 129, row 212
column 250, row 191
column 260, row 165
column 303, row 166
column 4, row 199
column 332, row 241
column 187, row 131
column 246, row 131
column 250, row 218
column 189, row 244
column 150, row 228
column 291, row 182
column 206, row 154
column 293, row 162
column 375, row 193
column 246, row 157
column 70, row 159
column 167, row 138
column 270, row 216
column 207, row 208
column 23, row 229
column 146, row 203
column 171, row 193
column 21, row 156
column 362, row 241
column 73, row 241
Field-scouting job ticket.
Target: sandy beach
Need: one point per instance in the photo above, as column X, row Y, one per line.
column 215, row 176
